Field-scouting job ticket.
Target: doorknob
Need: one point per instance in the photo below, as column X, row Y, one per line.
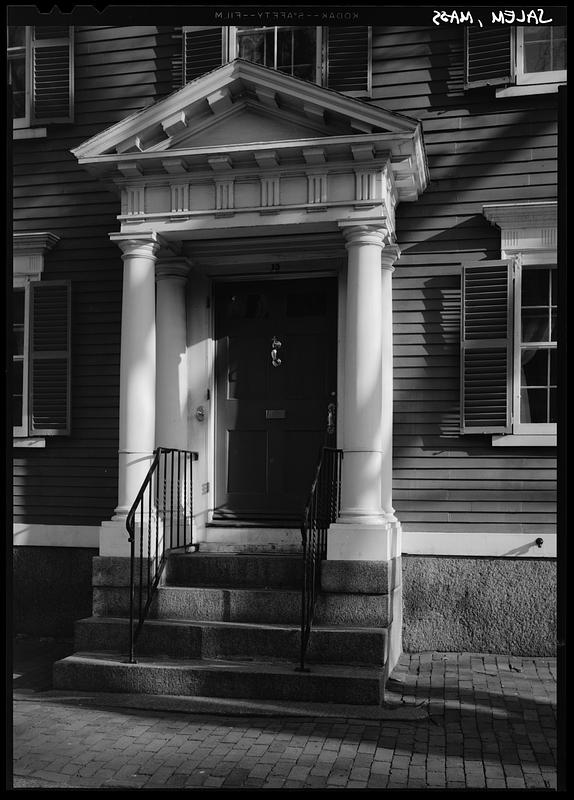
column 275, row 345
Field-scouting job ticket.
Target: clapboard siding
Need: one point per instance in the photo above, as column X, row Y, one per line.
column 118, row 71
column 479, row 150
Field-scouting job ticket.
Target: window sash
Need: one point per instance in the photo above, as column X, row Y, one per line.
column 22, row 428
column 24, row 52
column 533, row 78
column 519, row 346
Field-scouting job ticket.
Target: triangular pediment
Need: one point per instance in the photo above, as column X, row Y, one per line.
column 242, row 103
column 245, row 124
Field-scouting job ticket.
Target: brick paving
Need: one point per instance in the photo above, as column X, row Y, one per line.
column 490, row 724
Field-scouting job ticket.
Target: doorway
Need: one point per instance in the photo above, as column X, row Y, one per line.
column 276, row 357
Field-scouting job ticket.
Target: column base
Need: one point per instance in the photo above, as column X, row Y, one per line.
column 114, row 538
column 356, row 542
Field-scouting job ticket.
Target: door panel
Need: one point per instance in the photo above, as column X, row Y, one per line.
column 270, row 417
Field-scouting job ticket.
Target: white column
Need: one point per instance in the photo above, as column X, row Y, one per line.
column 388, row 257
column 171, row 384
column 362, row 398
column 364, row 530
column 137, row 381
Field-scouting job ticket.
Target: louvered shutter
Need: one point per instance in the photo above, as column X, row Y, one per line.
column 488, row 57
column 349, row 60
column 486, row 347
column 52, row 74
column 203, row 51
column 50, row 305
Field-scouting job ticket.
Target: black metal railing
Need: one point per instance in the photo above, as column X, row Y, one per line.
column 323, row 508
column 159, row 520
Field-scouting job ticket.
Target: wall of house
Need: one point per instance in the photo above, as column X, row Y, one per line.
column 480, row 150
column 72, row 481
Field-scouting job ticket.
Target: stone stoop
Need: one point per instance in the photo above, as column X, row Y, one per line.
column 227, row 625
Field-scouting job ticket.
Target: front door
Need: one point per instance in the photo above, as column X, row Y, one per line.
column 275, row 379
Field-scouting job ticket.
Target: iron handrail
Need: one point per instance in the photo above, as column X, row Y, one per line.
column 163, row 508
column 323, row 507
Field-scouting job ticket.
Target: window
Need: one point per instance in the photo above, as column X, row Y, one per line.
column 508, row 350
column 338, row 57
column 535, row 353
column 41, row 358
column 19, row 362
column 290, row 50
column 40, row 74
column 522, row 60
column 541, row 55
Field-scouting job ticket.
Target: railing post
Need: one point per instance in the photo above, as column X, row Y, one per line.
column 149, row 499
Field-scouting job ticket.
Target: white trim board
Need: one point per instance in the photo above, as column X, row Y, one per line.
column 495, row 545
column 56, row 535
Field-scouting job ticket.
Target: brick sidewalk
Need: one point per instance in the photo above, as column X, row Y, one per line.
column 490, row 723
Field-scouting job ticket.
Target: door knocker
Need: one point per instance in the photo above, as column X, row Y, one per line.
column 275, row 345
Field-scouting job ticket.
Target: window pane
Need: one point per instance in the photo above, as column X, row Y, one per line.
column 544, row 49
column 533, row 405
column 17, row 36
column 18, row 300
column 17, row 80
column 534, row 367
column 17, row 392
column 535, row 325
column 553, row 412
column 535, row 284
column 256, row 47
column 18, row 341
column 553, row 367
column 296, row 52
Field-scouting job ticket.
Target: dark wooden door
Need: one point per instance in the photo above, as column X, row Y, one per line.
column 275, row 377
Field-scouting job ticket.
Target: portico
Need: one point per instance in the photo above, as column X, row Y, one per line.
column 251, row 173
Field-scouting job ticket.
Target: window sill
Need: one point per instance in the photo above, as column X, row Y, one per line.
column 30, row 133
column 520, row 91
column 29, row 441
column 525, row 440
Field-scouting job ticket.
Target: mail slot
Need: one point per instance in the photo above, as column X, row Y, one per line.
column 275, row 413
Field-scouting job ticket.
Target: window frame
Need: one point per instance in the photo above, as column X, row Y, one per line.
column 519, row 427
column 30, row 126
column 22, row 430
column 320, row 72
column 528, row 236
column 17, row 52
column 229, row 51
column 523, row 78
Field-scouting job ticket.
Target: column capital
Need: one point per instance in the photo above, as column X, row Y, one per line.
column 174, row 267
column 389, row 255
column 142, row 245
column 357, row 232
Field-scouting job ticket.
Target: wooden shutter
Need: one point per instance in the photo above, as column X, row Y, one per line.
column 203, row 51
column 486, row 347
column 52, row 74
column 349, row 60
column 50, row 312
column 488, row 56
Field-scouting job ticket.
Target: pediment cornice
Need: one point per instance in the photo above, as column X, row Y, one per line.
column 246, row 141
